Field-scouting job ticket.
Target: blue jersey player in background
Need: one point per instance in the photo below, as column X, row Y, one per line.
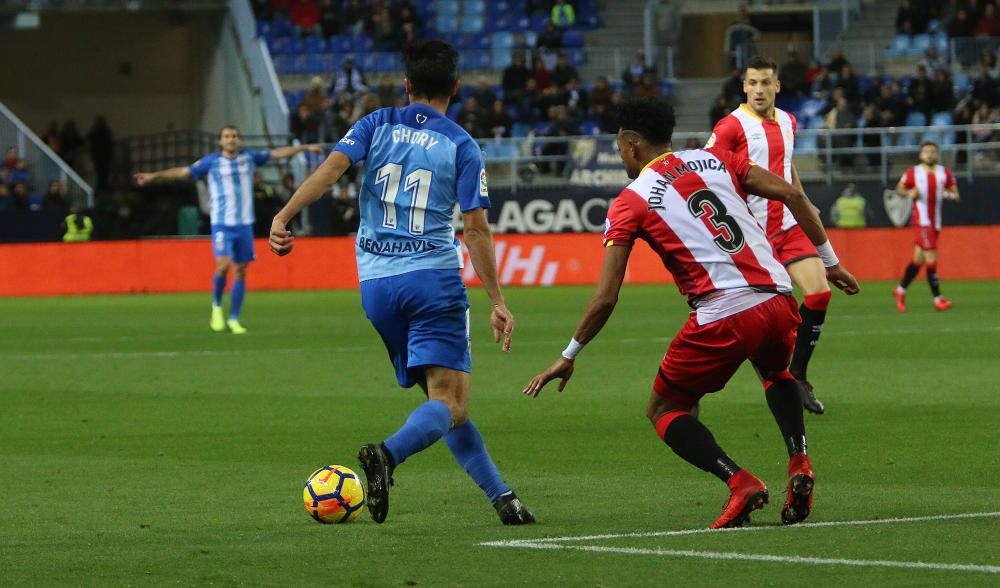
column 229, row 175
column 418, row 166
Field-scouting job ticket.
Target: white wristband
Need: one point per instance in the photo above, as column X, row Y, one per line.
column 572, row 350
column 827, row 254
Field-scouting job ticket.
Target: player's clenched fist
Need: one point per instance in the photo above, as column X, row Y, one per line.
column 281, row 240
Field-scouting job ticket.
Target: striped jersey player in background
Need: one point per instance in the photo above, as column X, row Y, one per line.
column 766, row 135
column 419, row 165
column 928, row 184
column 690, row 207
column 229, row 175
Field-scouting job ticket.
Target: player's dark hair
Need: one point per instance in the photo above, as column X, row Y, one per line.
column 229, row 128
column 761, row 62
column 651, row 117
column 432, row 68
column 930, row 144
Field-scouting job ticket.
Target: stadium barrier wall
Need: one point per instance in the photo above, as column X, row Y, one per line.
column 118, row 267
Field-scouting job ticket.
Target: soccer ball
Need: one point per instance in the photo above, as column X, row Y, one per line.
column 334, row 494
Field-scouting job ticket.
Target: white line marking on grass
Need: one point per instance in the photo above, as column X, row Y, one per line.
column 683, row 532
column 725, row 555
column 557, row 543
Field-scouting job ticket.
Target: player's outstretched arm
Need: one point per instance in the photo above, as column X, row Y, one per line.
column 599, row 310
column 764, row 183
column 174, row 173
column 293, row 150
column 479, row 240
column 311, row 190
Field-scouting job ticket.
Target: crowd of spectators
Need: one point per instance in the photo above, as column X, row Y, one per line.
column 17, row 187
column 391, row 24
column 959, row 18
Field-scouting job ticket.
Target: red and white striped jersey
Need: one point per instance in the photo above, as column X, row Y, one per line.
column 691, row 208
column 930, row 183
column 769, row 144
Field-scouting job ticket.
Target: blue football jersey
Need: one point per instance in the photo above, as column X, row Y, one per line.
column 230, row 185
column 418, row 165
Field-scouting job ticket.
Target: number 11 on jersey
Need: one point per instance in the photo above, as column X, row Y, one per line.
column 417, row 181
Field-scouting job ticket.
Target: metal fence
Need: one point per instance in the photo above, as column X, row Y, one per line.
column 44, row 165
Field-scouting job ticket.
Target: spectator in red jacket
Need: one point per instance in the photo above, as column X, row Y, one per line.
column 305, row 17
column 989, row 24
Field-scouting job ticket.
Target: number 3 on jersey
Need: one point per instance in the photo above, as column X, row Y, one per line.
column 419, row 181
column 727, row 234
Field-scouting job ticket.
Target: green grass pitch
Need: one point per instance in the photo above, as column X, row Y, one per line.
column 139, row 448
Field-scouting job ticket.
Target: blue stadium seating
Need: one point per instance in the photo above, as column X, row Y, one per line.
column 900, row 46
column 315, row 44
column 961, row 81
column 914, row 119
column 919, row 44
column 577, row 57
column 538, row 21
column 502, row 40
column 941, row 119
column 447, row 7
column 480, row 42
column 281, row 27
column 473, row 24
column 473, row 8
column 446, row 23
column 501, row 58
column 572, row 39
column 589, row 127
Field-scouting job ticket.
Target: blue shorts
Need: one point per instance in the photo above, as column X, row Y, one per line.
column 234, row 242
column 423, row 318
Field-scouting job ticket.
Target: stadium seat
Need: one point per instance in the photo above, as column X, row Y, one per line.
column 589, row 127
column 475, row 60
column 961, row 81
column 502, row 40
column 315, row 44
column 363, row 44
column 478, row 42
column 941, row 42
column 538, row 21
column 282, row 64
column 474, row 24
column 281, row 27
column 447, row 7
column 313, row 62
column 424, row 7
column 572, row 39
column 577, row 57
column 501, row 58
column 473, row 8
column 934, row 26
column 296, row 46
column 280, row 45
column 666, row 89
column 919, row 44
column 939, row 120
column 914, row 119
column 520, row 130
column 900, row 46
column 263, row 28
column 446, row 23
column 341, row 44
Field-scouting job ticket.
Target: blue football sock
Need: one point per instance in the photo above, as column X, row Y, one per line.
column 236, row 298
column 425, row 425
column 467, row 446
column 218, row 287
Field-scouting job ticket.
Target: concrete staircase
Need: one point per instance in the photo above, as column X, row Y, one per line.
column 692, row 100
column 622, row 30
column 867, row 37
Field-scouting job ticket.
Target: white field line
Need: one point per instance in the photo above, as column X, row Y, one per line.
column 732, row 556
column 560, row 543
column 223, row 352
column 683, row 532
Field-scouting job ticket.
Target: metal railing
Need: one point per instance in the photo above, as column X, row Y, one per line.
column 44, row 165
column 820, row 154
column 262, row 74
